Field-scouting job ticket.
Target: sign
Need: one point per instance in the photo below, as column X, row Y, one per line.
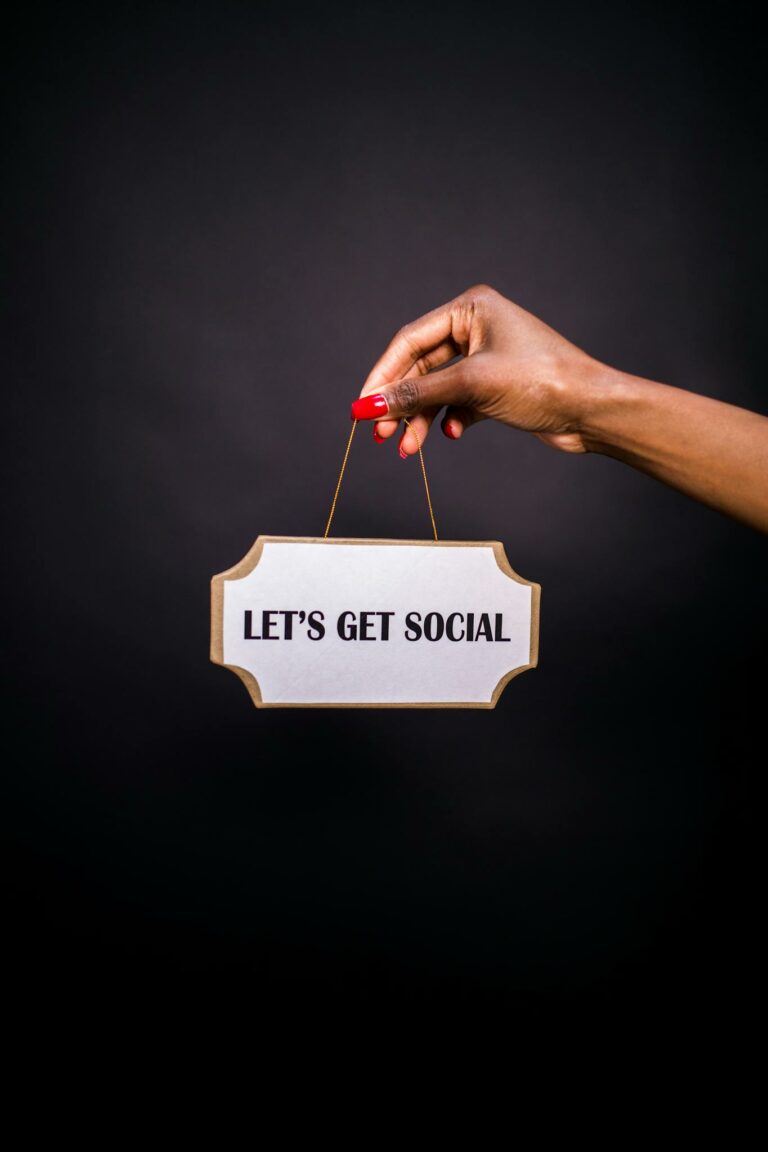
column 321, row 623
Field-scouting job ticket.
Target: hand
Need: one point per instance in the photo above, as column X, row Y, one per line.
column 513, row 368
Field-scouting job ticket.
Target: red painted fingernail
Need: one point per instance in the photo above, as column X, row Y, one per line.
column 377, row 438
column 448, row 429
column 403, row 455
column 369, row 407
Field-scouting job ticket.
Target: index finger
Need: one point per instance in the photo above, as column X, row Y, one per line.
column 427, row 341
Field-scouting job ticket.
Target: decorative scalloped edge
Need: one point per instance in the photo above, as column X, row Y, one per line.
column 245, row 566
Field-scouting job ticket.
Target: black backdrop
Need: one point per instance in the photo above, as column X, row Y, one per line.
column 217, row 216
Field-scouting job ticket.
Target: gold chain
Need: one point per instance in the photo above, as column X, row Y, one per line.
column 341, row 477
column 338, row 484
column 424, row 474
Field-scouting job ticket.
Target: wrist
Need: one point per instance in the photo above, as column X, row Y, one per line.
column 608, row 399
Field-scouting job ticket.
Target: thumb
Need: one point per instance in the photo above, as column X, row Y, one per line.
column 410, row 396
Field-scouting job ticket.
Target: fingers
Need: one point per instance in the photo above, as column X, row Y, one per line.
column 436, row 337
column 421, row 347
column 454, row 424
column 416, row 432
column 413, row 395
column 384, row 429
column 456, row 421
column 424, row 344
column 424, row 364
column 411, row 378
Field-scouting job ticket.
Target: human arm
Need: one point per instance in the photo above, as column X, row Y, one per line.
column 515, row 369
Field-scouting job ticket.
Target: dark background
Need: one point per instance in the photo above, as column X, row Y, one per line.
column 216, row 217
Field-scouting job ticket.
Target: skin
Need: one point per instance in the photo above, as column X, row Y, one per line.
column 515, row 369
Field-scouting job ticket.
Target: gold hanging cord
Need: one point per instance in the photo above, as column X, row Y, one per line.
column 341, row 477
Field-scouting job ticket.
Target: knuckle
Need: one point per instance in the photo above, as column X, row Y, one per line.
column 426, row 363
column 481, row 292
column 470, row 313
column 405, row 336
column 407, row 395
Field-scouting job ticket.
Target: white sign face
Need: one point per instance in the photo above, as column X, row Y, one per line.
column 374, row 623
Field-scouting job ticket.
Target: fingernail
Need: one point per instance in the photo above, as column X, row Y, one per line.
column 450, row 431
column 369, row 407
column 377, row 438
column 403, row 455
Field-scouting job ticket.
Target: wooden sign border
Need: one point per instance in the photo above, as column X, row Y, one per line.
column 251, row 559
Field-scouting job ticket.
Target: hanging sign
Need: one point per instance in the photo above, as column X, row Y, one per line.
column 310, row 622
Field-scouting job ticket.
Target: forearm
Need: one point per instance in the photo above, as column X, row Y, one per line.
column 714, row 452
